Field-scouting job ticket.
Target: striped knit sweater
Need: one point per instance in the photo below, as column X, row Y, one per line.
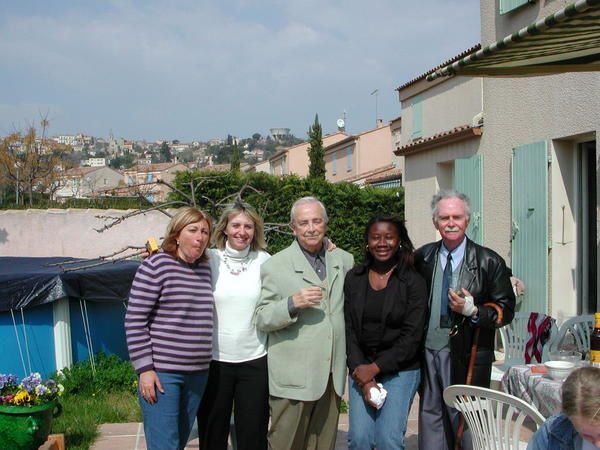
column 169, row 319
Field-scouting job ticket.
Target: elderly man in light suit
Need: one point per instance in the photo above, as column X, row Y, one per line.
column 302, row 310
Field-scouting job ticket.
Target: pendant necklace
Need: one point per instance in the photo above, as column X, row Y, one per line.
column 243, row 265
column 381, row 276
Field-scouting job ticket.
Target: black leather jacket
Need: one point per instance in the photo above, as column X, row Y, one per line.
column 486, row 277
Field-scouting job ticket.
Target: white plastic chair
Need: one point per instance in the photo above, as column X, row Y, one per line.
column 580, row 328
column 494, row 418
column 514, row 337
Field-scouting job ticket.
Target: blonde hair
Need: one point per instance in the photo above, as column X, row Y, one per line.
column 258, row 240
column 581, row 394
column 179, row 221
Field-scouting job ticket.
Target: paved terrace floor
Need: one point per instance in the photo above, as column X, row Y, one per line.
column 130, row 436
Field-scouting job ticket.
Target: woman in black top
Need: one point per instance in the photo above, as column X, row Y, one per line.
column 385, row 309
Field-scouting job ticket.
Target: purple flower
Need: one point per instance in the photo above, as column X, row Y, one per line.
column 7, row 381
column 31, row 382
column 41, row 390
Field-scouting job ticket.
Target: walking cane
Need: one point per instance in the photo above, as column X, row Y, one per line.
column 461, row 421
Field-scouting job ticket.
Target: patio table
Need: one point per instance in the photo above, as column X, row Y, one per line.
column 537, row 389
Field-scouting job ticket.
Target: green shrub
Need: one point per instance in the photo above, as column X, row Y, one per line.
column 112, row 375
column 349, row 206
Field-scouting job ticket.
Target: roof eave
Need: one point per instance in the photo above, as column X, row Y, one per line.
column 429, row 144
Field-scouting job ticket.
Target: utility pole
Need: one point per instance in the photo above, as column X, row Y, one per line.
column 376, row 94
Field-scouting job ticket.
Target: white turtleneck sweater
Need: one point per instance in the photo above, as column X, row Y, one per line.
column 235, row 338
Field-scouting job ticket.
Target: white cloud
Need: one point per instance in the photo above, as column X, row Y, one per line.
column 202, row 69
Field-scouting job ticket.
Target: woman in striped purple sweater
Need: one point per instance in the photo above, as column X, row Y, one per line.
column 169, row 326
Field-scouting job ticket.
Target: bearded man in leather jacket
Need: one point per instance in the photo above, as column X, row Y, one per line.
column 461, row 276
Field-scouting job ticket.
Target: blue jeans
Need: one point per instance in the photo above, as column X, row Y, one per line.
column 385, row 428
column 168, row 422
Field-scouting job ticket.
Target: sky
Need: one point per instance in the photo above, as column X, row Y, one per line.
column 203, row 69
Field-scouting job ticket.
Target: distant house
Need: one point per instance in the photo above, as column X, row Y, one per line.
column 94, row 162
column 294, row 160
column 141, row 179
column 358, row 157
column 86, row 182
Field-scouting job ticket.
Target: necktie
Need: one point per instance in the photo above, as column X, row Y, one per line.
column 446, row 283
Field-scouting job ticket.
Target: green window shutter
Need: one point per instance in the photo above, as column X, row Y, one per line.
column 417, row 118
column 334, row 163
column 505, row 6
column 530, row 223
column 468, row 179
column 348, row 159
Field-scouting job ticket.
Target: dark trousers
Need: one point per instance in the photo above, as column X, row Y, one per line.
column 243, row 387
column 437, row 421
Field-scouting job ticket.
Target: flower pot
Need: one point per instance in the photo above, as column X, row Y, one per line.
column 25, row 427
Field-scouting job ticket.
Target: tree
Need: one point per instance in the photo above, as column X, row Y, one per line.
column 30, row 163
column 235, row 159
column 256, row 136
column 316, row 152
column 165, row 153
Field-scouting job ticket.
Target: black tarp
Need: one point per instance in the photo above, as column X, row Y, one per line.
column 27, row 282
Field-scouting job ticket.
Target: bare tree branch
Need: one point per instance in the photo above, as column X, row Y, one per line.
column 117, row 221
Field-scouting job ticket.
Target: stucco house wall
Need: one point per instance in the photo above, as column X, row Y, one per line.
column 370, row 150
column 446, row 104
column 426, row 173
column 296, row 160
column 562, row 110
column 71, row 232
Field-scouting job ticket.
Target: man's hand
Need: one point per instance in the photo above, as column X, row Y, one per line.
column 308, row 297
column 365, row 373
column 462, row 302
column 148, row 380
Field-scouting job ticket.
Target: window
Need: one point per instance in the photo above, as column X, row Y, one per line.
column 417, row 118
column 348, row 159
column 334, row 163
column 129, row 180
column 149, row 178
column 505, row 6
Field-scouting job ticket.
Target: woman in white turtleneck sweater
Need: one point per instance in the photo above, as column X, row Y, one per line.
column 238, row 372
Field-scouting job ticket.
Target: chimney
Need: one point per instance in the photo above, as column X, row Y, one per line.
column 379, row 123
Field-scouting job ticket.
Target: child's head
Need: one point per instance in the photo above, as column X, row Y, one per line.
column 581, row 402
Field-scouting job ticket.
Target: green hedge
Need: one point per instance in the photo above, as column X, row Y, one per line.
column 349, row 207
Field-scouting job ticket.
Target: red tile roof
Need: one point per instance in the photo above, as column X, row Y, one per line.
column 390, row 174
column 444, row 137
column 450, row 61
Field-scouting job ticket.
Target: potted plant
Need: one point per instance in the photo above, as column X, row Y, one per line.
column 26, row 410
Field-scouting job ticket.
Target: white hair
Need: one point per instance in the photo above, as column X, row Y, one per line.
column 304, row 201
column 449, row 193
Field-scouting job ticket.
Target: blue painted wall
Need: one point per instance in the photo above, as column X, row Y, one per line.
column 106, row 328
column 39, row 328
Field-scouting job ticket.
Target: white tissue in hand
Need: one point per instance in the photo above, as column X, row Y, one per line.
column 468, row 307
column 377, row 395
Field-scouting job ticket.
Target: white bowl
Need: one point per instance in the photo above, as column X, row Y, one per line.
column 566, row 355
column 559, row 370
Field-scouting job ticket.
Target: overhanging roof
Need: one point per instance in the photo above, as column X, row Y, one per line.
column 566, row 41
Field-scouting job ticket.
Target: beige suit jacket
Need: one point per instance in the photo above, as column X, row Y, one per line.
column 303, row 350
